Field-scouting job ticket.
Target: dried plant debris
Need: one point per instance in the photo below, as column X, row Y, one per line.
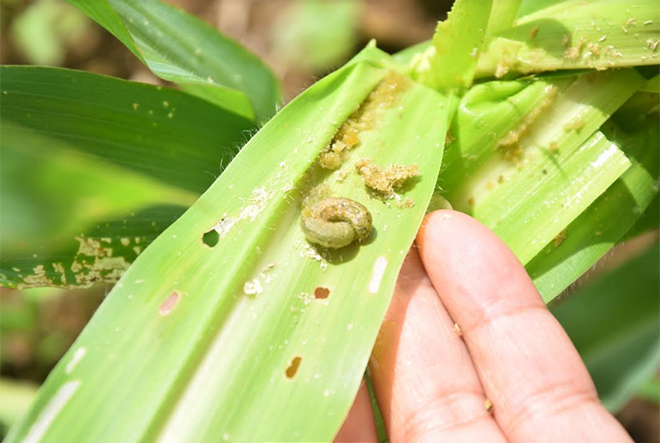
column 559, row 239
column 407, row 203
column 383, row 97
column 384, row 181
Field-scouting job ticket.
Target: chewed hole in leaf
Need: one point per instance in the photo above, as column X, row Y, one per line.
column 168, row 305
column 211, row 238
column 293, row 367
column 321, row 293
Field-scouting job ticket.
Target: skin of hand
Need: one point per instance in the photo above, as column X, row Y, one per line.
column 468, row 352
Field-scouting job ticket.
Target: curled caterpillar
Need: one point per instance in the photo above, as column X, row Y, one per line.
column 336, row 222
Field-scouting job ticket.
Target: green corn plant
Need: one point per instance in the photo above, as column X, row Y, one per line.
column 228, row 320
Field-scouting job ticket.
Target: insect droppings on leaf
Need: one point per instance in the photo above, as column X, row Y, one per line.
column 386, row 95
column 385, row 180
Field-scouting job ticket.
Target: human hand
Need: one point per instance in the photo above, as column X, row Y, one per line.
column 434, row 381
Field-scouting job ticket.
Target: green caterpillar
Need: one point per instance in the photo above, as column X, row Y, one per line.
column 336, row 222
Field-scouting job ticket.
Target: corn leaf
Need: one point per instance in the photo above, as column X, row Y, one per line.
column 94, row 168
column 530, row 6
column 181, row 48
column 451, row 61
column 487, row 114
column 575, row 34
column 502, row 16
column 545, row 172
column 614, row 323
column 610, row 217
column 652, row 85
column 157, row 131
column 379, row 421
column 259, row 319
column 635, row 128
column 407, row 55
column 534, row 207
column 501, row 125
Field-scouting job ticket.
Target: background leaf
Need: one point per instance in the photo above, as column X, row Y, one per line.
column 91, row 160
column 17, row 398
column 650, row 390
column 316, row 34
column 45, row 28
column 615, row 325
column 180, row 48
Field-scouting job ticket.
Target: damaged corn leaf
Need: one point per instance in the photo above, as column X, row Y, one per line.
column 68, row 220
column 620, row 347
column 252, row 310
column 500, row 125
column 493, row 116
column 575, row 34
column 94, row 168
column 545, row 173
column 534, row 207
column 610, row 217
column 451, row 60
column 180, row 48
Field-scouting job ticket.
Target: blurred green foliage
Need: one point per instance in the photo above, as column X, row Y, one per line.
column 45, row 30
column 317, row 34
column 615, row 325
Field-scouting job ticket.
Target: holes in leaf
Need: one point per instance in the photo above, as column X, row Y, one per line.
column 321, row 293
column 293, row 367
column 169, row 303
column 211, row 238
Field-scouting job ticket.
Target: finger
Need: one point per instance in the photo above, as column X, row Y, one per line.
column 540, row 389
column 424, row 381
column 359, row 425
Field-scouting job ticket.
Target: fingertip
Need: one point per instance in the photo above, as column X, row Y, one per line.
column 430, row 221
column 467, row 261
column 449, row 231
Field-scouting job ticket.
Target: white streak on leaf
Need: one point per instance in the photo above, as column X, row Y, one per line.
column 377, row 274
column 50, row 412
column 77, row 356
column 604, row 156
